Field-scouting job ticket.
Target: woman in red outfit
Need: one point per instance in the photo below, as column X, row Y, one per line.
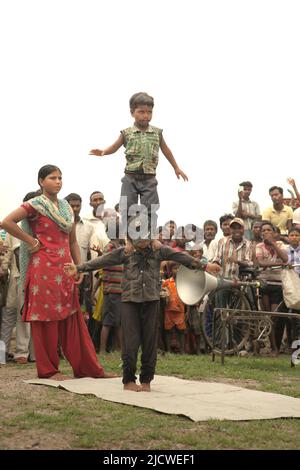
column 51, row 302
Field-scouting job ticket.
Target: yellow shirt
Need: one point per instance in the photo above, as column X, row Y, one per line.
column 279, row 218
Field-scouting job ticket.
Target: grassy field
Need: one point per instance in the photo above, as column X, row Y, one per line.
column 35, row 417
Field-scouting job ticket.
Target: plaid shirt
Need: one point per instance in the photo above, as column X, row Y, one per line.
column 141, row 149
column 226, row 249
column 112, row 275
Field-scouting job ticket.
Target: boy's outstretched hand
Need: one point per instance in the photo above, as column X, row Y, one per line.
column 70, row 269
column 179, row 173
column 213, row 268
column 97, row 152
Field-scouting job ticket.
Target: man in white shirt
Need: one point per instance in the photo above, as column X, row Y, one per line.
column 85, row 231
column 97, row 202
column 210, row 244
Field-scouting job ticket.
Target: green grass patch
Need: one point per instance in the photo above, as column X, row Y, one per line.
column 86, row 422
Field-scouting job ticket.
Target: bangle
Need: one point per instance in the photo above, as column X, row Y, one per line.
column 34, row 246
column 36, row 243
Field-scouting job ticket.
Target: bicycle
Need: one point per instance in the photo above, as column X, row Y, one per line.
column 232, row 324
column 242, row 296
column 292, row 325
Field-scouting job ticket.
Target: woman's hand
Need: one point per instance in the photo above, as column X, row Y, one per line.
column 34, row 246
column 70, row 269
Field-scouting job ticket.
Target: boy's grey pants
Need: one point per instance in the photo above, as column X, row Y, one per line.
column 135, row 186
column 139, row 323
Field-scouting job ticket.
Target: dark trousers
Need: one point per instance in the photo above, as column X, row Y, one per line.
column 131, row 189
column 139, row 323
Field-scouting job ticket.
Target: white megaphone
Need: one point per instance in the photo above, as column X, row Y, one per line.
column 192, row 285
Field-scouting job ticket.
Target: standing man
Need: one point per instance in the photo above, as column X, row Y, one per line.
column 85, row 230
column 246, row 209
column 235, row 251
column 97, row 202
column 210, row 244
column 279, row 214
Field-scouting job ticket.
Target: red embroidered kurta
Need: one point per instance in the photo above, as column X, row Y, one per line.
column 50, row 295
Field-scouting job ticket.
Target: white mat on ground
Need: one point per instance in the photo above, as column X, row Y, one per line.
column 199, row 401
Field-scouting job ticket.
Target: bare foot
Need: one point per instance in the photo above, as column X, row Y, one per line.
column 59, row 376
column 132, row 387
column 146, row 387
column 109, row 375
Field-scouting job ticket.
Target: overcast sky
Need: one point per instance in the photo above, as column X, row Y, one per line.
column 225, row 76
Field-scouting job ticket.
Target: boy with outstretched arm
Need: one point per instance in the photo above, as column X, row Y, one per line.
column 140, row 301
column 142, row 143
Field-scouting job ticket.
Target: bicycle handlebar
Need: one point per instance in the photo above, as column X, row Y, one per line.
column 285, row 266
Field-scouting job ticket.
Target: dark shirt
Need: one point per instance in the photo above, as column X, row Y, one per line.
column 141, row 281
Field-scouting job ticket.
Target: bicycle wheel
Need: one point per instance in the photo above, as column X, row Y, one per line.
column 237, row 331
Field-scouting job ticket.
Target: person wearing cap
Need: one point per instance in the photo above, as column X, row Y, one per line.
column 140, row 300
column 246, row 209
column 235, row 251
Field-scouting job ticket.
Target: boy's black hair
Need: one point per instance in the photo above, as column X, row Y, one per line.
column 276, row 187
column 73, row 197
column 255, row 221
column 267, row 222
column 225, row 217
column 294, row 229
column 140, row 99
column 248, row 184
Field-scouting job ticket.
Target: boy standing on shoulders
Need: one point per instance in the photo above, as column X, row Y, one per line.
column 142, row 143
column 140, row 301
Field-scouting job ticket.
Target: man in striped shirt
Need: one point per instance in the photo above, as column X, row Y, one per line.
column 112, row 289
column 234, row 251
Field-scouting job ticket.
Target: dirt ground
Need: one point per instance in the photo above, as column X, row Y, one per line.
column 18, row 400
